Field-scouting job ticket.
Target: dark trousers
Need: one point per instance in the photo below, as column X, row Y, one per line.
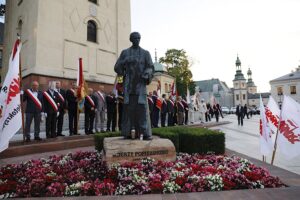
column 240, row 119
column 217, row 116
column 37, row 120
column 51, row 125
column 120, row 116
column 111, row 121
column 73, row 121
column 186, row 117
column 155, row 119
column 170, row 119
column 163, row 119
column 207, row 117
column 60, row 121
column 89, row 118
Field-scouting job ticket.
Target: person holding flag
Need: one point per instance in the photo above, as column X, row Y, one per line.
column 90, row 107
column 72, row 105
column 34, row 105
column 82, row 88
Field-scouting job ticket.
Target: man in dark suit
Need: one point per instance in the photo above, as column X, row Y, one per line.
column 240, row 114
column 186, row 111
column 111, row 105
column 120, row 108
column 62, row 108
column 72, row 105
column 90, row 106
column 34, row 106
column 164, row 111
column 180, row 111
column 155, row 111
column 51, row 109
column 170, row 109
column 151, row 106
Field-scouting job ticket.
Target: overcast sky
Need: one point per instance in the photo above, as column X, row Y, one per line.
column 265, row 34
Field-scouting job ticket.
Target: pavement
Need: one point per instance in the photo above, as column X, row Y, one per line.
column 245, row 140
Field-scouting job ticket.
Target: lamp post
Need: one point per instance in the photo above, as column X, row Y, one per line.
column 280, row 99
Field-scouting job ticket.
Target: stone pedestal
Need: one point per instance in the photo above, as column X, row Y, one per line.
column 118, row 150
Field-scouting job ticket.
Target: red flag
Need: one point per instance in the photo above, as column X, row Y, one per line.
column 82, row 86
column 158, row 100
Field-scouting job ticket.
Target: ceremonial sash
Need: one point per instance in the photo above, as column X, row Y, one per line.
column 90, row 101
column 181, row 104
column 101, row 96
column 51, row 101
column 74, row 93
column 164, row 102
column 34, row 99
column 150, row 99
column 61, row 97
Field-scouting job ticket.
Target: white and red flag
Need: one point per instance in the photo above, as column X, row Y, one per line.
column 273, row 117
column 10, row 103
column 265, row 139
column 159, row 100
column 289, row 131
column 174, row 93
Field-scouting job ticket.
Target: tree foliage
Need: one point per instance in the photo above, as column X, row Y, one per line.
column 178, row 65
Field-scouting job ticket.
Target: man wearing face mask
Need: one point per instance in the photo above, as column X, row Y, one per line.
column 51, row 109
column 136, row 66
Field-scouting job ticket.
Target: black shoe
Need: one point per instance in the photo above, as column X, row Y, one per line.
column 87, row 133
column 127, row 138
column 91, row 132
column 61, row 135
column 75, row 134
column 148, row 138
column 27, row 140
column 102, row 131
column 37, row 138
column 113, row 130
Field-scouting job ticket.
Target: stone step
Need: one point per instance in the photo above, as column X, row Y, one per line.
column 54, row 144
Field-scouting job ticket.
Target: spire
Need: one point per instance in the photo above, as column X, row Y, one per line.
column 238, row 63
column 155, row 55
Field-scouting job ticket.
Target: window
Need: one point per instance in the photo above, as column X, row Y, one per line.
column 94, row 1
column 243, row 85
column 244, row 96
column 166, row 88
column 91, row 31
column 237, row 97
column 293, row 89
column 279, row 90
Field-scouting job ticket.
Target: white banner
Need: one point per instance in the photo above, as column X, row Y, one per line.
column 289, row 136
column 265, row 139
column 273, row 115
column 10, row 104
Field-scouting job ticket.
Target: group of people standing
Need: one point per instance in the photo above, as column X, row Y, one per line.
column 52, row 104
column 180, row 111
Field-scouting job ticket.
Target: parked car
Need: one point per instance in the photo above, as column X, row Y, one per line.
column 232, row 110
column 225, row 110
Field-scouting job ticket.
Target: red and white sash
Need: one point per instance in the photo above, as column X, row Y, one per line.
column 74, row 93
column 101, row 96
column 61, row 97
column 180, row 104
column 34, row 99
column 90, row 101
column 51, row 101
column 150, row 99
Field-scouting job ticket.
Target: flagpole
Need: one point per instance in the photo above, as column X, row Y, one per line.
column 21, row 96
column 275, row 143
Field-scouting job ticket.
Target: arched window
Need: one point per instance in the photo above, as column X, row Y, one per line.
column 91, row 31
column 20, row 24
column 93, row 1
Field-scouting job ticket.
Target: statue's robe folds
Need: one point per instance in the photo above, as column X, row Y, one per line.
column 136, row 76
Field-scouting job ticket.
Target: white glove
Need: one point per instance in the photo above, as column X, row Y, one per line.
column 45, row 114
column 22, row 92
column 57, row 114
column 42, row 116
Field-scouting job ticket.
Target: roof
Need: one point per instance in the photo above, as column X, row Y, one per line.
column 158, row 67
column 1, row 33
column 239, row 75
column 291, row 76
column 257, row 95
column 207, row 85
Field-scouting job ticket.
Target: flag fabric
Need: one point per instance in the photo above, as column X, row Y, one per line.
column 265, row 139
column 174, row 93
column 188, row 96
column 10, row 103
column 158, row 100
column 272, row 114
column 82, row 86
column 289, row 134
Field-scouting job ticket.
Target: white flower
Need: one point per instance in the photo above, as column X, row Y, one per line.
column 170, row 187
column 215, row 182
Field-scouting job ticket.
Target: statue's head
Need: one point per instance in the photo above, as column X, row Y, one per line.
column 135, row 38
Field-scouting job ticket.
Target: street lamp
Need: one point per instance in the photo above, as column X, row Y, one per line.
column 280, row 99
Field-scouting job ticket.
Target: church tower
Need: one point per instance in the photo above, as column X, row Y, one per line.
column 239, row 85
column 252, row 88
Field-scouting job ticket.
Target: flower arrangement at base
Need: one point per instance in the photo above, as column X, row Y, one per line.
column 85, row 174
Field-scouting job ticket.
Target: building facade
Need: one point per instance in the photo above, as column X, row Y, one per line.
column 56, row 33
column 240, row 89
column 288, row 84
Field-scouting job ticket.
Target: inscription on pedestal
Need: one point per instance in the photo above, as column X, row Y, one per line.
column 118, row 150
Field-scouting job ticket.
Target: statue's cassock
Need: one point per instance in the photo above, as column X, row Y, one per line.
column 136, row 67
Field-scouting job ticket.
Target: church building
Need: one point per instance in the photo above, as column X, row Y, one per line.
column 56, row 33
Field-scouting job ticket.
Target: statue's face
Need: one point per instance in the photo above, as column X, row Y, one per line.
column 135, row 39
